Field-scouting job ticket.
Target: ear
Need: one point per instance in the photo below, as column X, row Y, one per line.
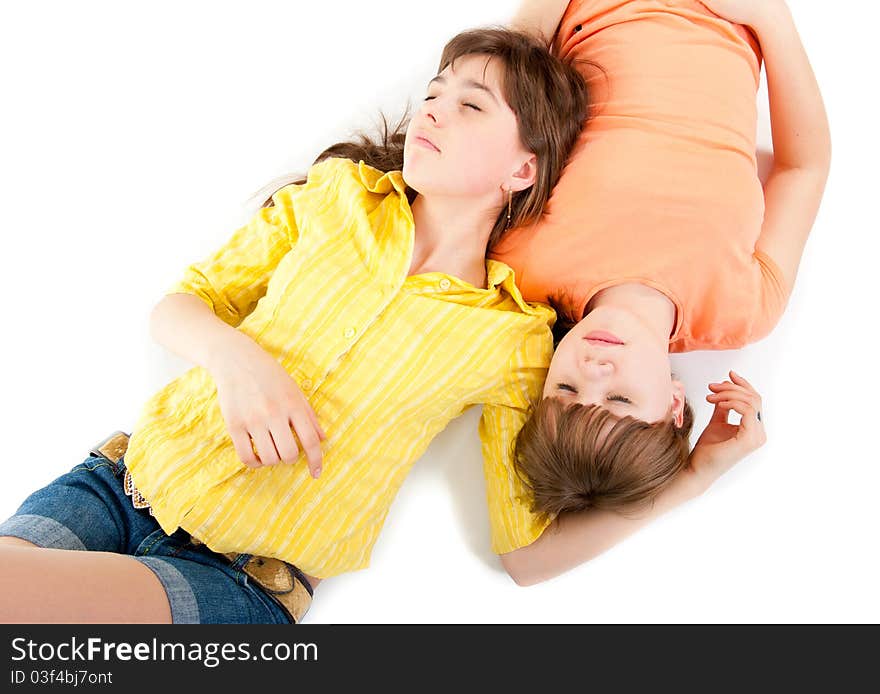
column 678, row 400
column 525, row 176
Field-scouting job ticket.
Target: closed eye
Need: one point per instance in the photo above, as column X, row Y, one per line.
column 613, row 398
column 466, row 103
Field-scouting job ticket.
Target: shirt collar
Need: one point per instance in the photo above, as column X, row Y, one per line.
column 498, row 274
column 501, row 275
column 378, row 182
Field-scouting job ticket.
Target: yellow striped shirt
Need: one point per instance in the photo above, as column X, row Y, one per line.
column 386, row 360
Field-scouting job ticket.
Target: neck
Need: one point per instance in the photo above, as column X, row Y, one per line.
column 452, row 237
column 651, row 307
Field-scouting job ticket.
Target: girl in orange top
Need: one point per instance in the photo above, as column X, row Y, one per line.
column 658, row 237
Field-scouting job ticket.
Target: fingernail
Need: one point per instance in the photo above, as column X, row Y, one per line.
column 317, row 473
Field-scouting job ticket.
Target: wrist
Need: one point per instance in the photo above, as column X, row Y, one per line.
column 683, row 487
column 225, row 350
column 689, row 484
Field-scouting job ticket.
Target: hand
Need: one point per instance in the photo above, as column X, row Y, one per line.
column 747, row 12
column 722, row 445
column 259, row 400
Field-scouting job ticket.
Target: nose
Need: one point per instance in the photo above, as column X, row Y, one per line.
column 595, row 369
column 432, row 113
column 435, row 110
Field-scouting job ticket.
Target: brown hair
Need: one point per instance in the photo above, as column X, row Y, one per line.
column 548, row 96
column 575, row 457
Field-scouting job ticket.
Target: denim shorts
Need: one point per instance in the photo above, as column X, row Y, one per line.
column 87, row 509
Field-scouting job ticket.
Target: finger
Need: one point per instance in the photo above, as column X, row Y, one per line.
column 740, row 381
column 727, row 385
column 264, row 446
column 719, row 415
column 732, row 393
column 285, row 441
column 736, row 394
column 310, row 442
column 728, row 397
column 722, row 384
column 751, row 429
column 741, row 391
column 316, row 423
column 241, row 440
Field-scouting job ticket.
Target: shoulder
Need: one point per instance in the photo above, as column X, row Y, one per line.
column 330, row 170
column 321, row 176
column 502, row 276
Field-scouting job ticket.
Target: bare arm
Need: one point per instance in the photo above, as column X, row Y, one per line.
column 539, row 17
column 258, row 399
column 186, row 326
column 801, row 146
column 575, row 538
column 801, row 136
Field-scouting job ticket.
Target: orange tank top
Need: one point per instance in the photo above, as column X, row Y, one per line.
column 662, row 187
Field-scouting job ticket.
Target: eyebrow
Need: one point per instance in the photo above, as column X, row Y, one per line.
column 472, row 84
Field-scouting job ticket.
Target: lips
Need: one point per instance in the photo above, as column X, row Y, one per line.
column 602, row 337
column 425, row 142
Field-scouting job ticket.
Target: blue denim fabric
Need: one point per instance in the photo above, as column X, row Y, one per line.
column 87, row 509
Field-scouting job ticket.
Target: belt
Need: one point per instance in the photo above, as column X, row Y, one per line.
column 283, row 582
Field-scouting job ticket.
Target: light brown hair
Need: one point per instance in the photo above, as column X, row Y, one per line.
column 573, row 457
column 548, row 95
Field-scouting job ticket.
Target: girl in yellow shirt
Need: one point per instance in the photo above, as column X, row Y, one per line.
column 335, row 334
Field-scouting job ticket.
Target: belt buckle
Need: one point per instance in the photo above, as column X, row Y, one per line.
column 279, row 580
column 111, row 448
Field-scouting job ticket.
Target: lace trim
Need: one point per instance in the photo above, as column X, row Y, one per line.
column 137, row 499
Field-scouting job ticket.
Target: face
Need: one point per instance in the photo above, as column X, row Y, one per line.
column 464, row 139
column 614, row 360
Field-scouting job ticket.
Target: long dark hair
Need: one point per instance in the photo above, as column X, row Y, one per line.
column 548, row 95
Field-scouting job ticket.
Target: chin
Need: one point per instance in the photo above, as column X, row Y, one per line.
column 416, row 178
column 425, row 184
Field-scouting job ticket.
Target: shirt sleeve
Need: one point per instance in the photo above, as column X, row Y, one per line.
column 233, row 278
column 773, row 297
column 512, row 524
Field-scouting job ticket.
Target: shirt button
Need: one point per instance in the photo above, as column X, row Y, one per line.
column 307, row 384
column 445, row 284
column 349, row 333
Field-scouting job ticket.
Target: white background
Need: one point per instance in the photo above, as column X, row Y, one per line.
column 132, row 134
